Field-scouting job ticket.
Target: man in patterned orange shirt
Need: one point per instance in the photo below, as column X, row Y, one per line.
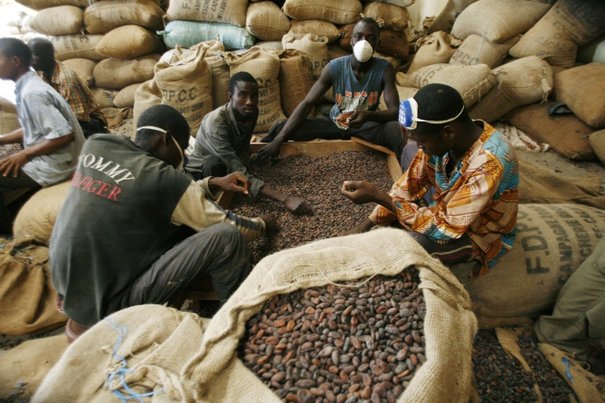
column 69, row 85
column 474, row 172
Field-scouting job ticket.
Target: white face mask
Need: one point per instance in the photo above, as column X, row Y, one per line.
column 363, row 51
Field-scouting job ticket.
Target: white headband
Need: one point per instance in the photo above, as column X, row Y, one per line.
column 158, row 129
column 408, row 115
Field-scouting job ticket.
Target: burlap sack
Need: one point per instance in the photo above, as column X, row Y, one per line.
column 152, row 340
column 400, row 3
column 116, row 116
column 190, row 33
column 520, row 82
column 38, row 215
column 438, row 47
column 388, row 15
column 577, row 88
column 147, row 95
column 8, row 116
column 270, row 45
column 125, row 97
column 556, row 36
column 186, row 84
column 315, row 47
column 552, row 241
column 83, row 68
column 226, row 11
column 566, row 134
column 317, row 27
column 116, row 74
column 76, row 46
column 103, row 97
column 27, row 298
column 103, row 16
column 498, row 21
column 404, row 93
column 592, row 52
column 42, row 4
column 597, row 141
column 443, row 20
column 295, row 79
column 472, row 82
column 264, row 66
column 129, row 42
column 394, row 44
column 476, row 49
column 220, row 78
column 29, row 363
column 336, row 11
column 266, row 21
column 60, row 20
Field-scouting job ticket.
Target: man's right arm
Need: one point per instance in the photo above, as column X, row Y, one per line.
column 15, row 137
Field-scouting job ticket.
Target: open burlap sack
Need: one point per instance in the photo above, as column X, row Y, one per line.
column 147, row 95
column 151, row 340
column 597, row 141
column 476, row 49
column 103, row 16
column 295, row 79
column 436, row 48
column 315, row 47
column 185, row 83
column 129, row 42
column 317, row 27
column 388, row 15
column 498, row 21
column 83, row 68
column 266, row 21
column 567, row 25
column 264, row 67
column 116, row 74
column 552, row 241
column 72, row 46
column 8, row 116
column 449, row 325
column 26, row 365
column 27, row 298
column 226, row 11
column 566, row 134
column 37, row 217
column 336, row 11
column 577, row 87
column 60, row 20
column 520, row 82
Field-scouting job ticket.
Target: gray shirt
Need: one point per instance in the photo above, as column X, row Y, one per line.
column 45, row 115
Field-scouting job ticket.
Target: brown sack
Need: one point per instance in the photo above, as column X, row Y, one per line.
column 225, row 11
column 295, row 79
column 76, row 46
column 336, row 11
column 116, row 116
column 116, row 74
column 266, row 21
column 597, row 141
column 220, row 78
column 60, row 20
column 125, row 97
column 394, row 44
column 444, row 19
column 520, row 82
column 27, row 298
column 567, row 25
column 129, row 42
column 8, row 116
column 42, row 4
column 83, row 69
column 581, row 89
column 186, row 85
column 566, row 134
column 37, row 217
column 264, row 67
column 103, row 97
column 103, row 16
column 438, row 47
column 552, row 241
column 387, row 15
column 317, row 27
column 478, row 50
column 498, row 21
column 315, row 47
column 147, row 95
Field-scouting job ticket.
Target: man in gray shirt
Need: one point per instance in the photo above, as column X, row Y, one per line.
column 50, row 133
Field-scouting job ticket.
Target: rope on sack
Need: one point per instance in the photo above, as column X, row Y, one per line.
column 119, row 374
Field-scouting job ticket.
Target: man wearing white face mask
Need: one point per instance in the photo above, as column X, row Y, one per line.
column 134, row 230
column 357, row 82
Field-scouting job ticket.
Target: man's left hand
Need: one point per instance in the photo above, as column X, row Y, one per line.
column 234, row 182
column 12, row 164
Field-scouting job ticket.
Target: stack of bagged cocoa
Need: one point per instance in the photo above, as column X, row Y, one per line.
column 111, row 45
column 515, row 62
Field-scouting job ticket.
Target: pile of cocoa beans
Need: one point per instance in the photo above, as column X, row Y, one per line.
column 318, row 182
column 360, row 341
